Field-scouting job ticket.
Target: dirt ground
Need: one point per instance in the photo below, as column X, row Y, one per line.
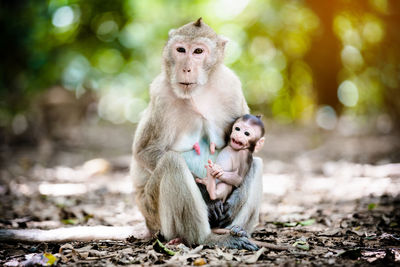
column 330, row 198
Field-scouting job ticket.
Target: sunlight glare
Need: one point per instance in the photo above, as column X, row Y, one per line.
column 229, row 9
column 62, row 189
column 63, row 17
column 348, row 93
column 326, row 118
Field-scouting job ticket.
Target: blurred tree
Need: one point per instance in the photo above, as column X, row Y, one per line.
column 16, row 21
column 324, row 54
column 292, row 56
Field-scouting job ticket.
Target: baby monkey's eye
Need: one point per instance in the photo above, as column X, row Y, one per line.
column 237, row 129
column 246, row 133
column 181, row 50
column 198, row 51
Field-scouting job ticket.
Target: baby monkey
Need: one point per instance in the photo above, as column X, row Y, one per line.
column 234, row 160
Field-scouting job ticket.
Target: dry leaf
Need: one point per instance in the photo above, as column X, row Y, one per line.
column 254, row 258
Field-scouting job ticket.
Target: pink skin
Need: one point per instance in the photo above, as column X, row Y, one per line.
column 241, row 136
column 175, row 241
column 212, row 148
column 189, row 59
column 216, row 171
column 196, row 148
column 209, row 181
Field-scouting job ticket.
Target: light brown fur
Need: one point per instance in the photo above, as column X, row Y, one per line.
column 166, row 192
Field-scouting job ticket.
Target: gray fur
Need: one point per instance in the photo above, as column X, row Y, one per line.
column 166, row 192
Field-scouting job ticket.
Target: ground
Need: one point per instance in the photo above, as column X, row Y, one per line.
column 330, row 198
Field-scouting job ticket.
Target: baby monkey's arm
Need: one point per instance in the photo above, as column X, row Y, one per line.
column 228, row 177
column 231, row 178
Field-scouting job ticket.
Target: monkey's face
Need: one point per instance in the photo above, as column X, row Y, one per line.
column 190, row 65
column 244, row 135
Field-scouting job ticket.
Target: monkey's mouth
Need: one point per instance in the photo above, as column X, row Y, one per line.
column 187, row 85
column 236, row 143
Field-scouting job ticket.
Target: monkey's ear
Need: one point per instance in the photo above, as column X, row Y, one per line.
column 259, row 144
column 222, row 41
column 171, row 32
column 197, row 23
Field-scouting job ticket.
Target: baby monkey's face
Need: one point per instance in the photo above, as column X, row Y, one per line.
column 244, row 134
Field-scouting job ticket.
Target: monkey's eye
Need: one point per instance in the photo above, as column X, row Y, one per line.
column 246, row 133
column 181, row 50
column 237, row 129
column 198, row 51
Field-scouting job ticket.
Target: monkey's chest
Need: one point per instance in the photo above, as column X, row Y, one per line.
column 188, row 135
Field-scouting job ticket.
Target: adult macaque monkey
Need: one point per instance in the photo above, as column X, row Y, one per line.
column 194, row 100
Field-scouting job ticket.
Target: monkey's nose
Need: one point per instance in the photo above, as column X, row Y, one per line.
column 186, row 70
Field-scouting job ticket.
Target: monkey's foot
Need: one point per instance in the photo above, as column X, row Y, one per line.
column 196, row 148
column 175, row 241
column 238, row 231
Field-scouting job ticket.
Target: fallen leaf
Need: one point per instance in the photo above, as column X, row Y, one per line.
column 160, row 248
column 352, row 254
column 199, row 262
column 254, row 258
column 307, row 222
column 51, row 259
column 96, row 166
column 12, row 263
column 70, row 221
column 372, row 256
column 371, row 206
column 331, row 232
column 224, row 255
column 290, row 224
column 301, row 243
column 196, row 250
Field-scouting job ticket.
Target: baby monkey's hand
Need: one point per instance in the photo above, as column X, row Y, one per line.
column 215, row 170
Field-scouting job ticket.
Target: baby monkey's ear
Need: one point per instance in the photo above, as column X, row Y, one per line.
column 259, row 144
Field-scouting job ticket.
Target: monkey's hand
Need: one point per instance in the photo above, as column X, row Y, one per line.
column 215, row 170
column 212, row 148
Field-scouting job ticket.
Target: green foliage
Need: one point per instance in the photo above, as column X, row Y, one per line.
column 113, row 48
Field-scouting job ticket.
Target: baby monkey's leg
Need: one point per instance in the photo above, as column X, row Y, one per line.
column 209, row 182
column 222, row 191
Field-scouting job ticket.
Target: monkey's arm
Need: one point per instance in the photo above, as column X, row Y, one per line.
column 231, row 178
column 223, row 169
column 151, row 139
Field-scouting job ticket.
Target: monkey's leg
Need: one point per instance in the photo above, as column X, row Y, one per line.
column 210, row 184
column 183, row 212
column 222, row 190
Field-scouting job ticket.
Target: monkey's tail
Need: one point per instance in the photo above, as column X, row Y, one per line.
column 78, row 233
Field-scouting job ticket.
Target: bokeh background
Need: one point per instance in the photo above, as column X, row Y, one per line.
column 74, row 79
column 330, row 64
